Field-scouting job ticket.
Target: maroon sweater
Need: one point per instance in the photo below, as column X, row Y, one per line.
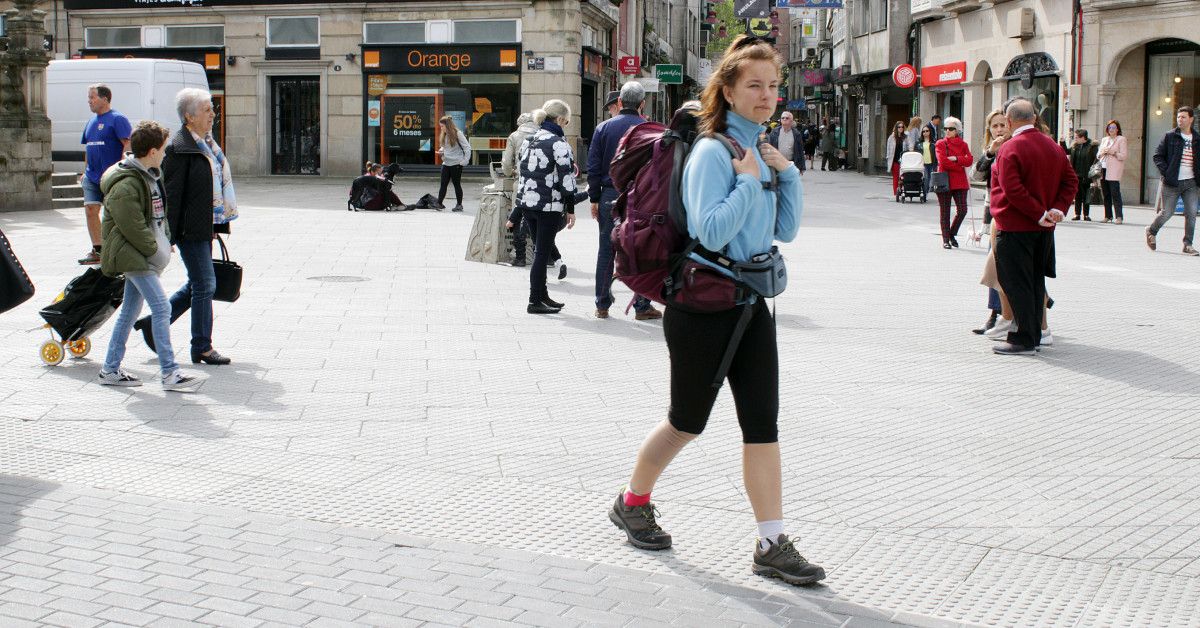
column 1031, row 175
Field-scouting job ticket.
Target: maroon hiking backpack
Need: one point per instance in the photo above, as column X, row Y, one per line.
column 650, row 239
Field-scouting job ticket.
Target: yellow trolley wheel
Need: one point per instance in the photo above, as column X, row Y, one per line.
column 80, row 348
column 52, row 353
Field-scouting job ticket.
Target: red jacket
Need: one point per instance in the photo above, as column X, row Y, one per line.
column 954, row 147
column 1031, row 176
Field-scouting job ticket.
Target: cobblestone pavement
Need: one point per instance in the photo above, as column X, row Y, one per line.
column 413, row 447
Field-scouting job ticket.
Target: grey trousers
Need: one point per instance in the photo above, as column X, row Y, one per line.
column 1170, row 198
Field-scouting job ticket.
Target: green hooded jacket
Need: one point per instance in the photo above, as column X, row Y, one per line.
column 128, row 239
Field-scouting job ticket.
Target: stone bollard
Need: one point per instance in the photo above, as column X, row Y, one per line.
column 490, row 241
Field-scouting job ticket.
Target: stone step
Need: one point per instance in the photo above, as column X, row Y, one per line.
column 66, row 203
column 68, row 191
column 64, row 178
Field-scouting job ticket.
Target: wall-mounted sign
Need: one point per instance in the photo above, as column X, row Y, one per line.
column 441, row 59
column 814, row 78
column 946, row 74
column 373, row 113
column 535, row 63
column 904, row 76
column 376, row 84
column 629, row 65
column 669, row 73
column 554, row 64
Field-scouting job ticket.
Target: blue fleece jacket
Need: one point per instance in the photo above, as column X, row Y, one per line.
column 732, row 211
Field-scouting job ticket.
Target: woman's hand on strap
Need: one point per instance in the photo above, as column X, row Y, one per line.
column 773, row 157
column 747, row 165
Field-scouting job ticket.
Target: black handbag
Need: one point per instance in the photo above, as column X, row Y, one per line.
column 15, row 286
column 939, row 182
column 229, row 276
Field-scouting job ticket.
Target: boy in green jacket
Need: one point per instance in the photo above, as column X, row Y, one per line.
column 133, row 230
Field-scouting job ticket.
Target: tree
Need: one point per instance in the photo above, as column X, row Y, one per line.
column 734, row 26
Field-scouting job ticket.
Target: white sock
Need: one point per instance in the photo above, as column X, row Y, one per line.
column 768, row 533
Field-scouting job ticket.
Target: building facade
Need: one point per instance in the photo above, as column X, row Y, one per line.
column 1140, row 60
column 976, row 54
column 317, row 88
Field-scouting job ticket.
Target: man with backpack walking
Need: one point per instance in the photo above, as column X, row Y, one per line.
column 602, row 194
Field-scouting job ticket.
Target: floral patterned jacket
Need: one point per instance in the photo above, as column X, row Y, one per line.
column 547, row 179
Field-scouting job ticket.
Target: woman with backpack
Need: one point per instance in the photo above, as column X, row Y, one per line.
column 729, row 209
column 544, row 192
column 455, row 152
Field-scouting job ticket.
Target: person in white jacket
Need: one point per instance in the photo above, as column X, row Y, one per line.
column 455, row 152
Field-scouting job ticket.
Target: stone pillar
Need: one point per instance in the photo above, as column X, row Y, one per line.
column 550, row 28
column 24, row 128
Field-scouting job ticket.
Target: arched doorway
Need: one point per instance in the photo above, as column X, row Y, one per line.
column 1036, row 77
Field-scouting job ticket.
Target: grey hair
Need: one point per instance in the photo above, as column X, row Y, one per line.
column 1020, row 110
column 952, row 123
column 633, row 94
column 188, row 101
column 524, row 118
column 553, row 109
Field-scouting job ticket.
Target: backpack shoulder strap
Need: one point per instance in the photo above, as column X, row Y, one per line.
column 736, row 151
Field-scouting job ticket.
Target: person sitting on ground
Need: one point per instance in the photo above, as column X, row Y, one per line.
column 373, row 192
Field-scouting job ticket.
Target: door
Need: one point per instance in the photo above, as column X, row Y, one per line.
column 295, row 125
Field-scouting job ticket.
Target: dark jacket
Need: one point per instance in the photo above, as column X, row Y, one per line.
column 1169, row 155
column 1082, row 157
column 604, row 145
column 934, row 131
column 376, row 199
column 187, row 175
column 797, row 144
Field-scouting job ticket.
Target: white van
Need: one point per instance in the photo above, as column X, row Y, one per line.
column 143, row 89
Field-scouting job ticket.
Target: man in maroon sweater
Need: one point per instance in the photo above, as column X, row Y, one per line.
column 1032, row 186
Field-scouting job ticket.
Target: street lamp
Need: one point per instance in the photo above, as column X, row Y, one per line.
column 711, row 18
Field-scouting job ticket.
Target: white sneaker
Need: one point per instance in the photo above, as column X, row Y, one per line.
column 1047, row 338
column 999, row 331
column 179, row 381
column 119, row 378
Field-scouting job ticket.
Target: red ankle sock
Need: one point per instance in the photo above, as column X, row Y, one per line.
column 632, row 499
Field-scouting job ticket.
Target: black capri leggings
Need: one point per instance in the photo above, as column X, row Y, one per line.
column 696, row 343
column 451, row 174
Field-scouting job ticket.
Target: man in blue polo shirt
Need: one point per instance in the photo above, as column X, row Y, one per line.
column 602, row 194
column 106, row 138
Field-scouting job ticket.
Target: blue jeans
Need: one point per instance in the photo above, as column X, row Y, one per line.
column 138, row 287
column 929, row 168
column 197, row 293
column 604, row 258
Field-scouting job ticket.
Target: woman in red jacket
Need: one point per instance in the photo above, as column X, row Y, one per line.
column 953, row 158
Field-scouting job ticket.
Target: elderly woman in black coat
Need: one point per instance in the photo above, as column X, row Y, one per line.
column 200, row 203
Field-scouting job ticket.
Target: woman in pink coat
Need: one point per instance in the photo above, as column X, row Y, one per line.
column 953, row 158
column 1113, row 151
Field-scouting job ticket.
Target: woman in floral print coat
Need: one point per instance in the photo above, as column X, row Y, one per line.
column 545, row 191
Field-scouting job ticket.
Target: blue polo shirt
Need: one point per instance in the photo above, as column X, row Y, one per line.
column 103, row 137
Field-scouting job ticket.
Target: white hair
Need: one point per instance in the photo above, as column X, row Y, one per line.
column 553, row 109
column 632, row 94
column 952, row 122
column 188, row 101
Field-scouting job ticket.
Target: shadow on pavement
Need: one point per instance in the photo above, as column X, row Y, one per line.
column 16, row 494
column 1134, row 368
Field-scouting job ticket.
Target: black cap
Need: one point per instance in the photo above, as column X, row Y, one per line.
column 611, row 99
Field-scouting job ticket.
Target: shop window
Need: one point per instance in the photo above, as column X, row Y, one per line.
column 196, row 36
column 293, row 32
column 409, row 106
column 112, row 37
column 1044, row 95
column 3, row 26
column 485, row 31
column 879, row 15
column 394, row 32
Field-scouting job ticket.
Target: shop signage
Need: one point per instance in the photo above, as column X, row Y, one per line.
column 798, row 103
column 904, row 76
column 629, row 65
column 809, row 4
column 535, row 63
column 74, row 5
column 947, row 74
column 376, row 84
column 593, row 64
column 669, row 73
column 814, row 78
column 441, row 59
column 750, row 8
column 373, row 113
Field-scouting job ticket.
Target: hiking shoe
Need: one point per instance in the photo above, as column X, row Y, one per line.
column 601, row 312
column 120, row 377
column 782, row 561
column 457, row 208
column 650, row 314
column 1188, row 250
column 562, row 271
column 179, row 381
column 639, row 524
column 1151, row 240
column 91, row 259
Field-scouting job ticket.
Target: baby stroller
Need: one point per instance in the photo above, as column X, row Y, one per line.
column 82, row 307
column 912, row 177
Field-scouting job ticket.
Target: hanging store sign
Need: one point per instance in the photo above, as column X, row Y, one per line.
column 750, row 8
column 904, row 76
column 669, row 73
column 947, row 74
